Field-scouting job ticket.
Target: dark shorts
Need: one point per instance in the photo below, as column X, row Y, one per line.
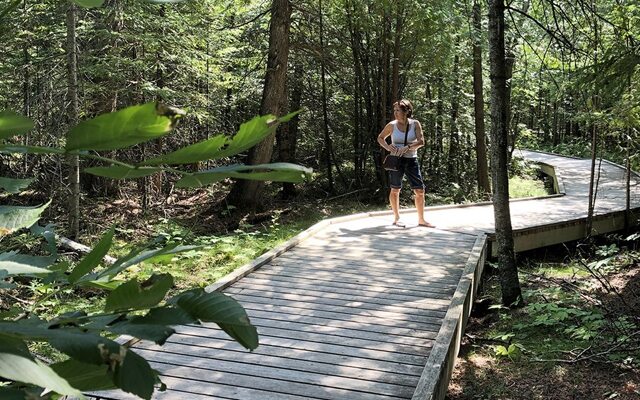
column 410, row 168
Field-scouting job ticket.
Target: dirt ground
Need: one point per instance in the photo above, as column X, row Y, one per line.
column 479, row 375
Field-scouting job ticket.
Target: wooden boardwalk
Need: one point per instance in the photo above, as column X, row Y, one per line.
column 355, row 308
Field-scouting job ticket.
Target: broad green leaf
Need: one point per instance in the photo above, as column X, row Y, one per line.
column 104, row 283
column 89, row 3
column 122, row 172
column 21, row 264
column 289, row 117
column 7, row 393
column 17, row 217
column 12, row 124
column 165, row 316
column 205, row 150
column 11, row 149
column 4, row 284
column 277, row 172
column 123, row 128
column 85, row 376
column 14, row 185
column 139, row 255
column 20, row 369
column 11, row 345
column 48, row 233
column 86, row 347
column 135, row 375
column 92, row 260
column 221, row 309
column 155, row 333
column 132, row 295
column 251, row 133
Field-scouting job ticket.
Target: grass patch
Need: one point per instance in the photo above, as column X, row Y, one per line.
column 526, row 187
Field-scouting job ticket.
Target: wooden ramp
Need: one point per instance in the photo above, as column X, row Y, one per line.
column 355, row 308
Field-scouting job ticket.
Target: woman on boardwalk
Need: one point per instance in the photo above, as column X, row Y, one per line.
column 397, row 129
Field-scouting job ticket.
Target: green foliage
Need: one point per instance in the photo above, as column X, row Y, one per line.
column 13, row 218
column 123, row 128
column 142, row 123
column 133, row 308
column 14, row 185
column 577, row 323
column 12, row 124
column 138, row 309
column 512, row 352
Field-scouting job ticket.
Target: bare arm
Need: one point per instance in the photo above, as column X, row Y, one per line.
column 386, row 132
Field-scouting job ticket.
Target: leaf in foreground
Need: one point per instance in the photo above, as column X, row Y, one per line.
column 276, row 172
column 20, row 369
column 221, row 309
column 21, row 264
column 13, row 218
column 133, row 295
column 12, row 124
column 92, row 260
column 122, row 172
column 14, row 185
column 123, row 128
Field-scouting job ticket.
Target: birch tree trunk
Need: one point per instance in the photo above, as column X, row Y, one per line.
column 511, row 294
column 73, row 201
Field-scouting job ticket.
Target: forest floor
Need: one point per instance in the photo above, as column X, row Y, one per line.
column 577, row 337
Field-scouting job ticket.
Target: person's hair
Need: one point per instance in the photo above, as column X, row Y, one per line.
column 405, row 106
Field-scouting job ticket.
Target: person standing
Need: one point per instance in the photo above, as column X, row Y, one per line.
column 404, row 126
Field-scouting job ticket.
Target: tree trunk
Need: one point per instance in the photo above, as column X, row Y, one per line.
column 246, row 194
column 73, row 201
column 438, row 146
column 397, row 48
column 454, row 138
column 358, row 85
column 484, row 187
column 594, row 136
column 288, row 134
column 328, row 146
column 510, row 285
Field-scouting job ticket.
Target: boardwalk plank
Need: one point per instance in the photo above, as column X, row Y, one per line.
column 363, row 282
column 342, row 287
column 197, row 374
column 267, row 371
column 282, row 349
column 319, row 346
column 366, row 321
column 429, row 275
column 299, row 363
column 248, row 285
column 372, row 314
column 356, row 327
column 256, row 280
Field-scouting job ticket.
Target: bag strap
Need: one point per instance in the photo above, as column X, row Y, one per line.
column 406, row 132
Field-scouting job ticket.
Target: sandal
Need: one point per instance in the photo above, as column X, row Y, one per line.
column 427, row 225
column 399, row 224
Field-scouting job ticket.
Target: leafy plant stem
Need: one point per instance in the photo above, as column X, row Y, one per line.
column 123, row 164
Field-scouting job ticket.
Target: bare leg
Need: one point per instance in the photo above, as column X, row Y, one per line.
column 394, row 200
column 419, row 201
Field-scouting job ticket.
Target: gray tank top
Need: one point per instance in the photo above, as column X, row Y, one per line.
column 397, row 137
